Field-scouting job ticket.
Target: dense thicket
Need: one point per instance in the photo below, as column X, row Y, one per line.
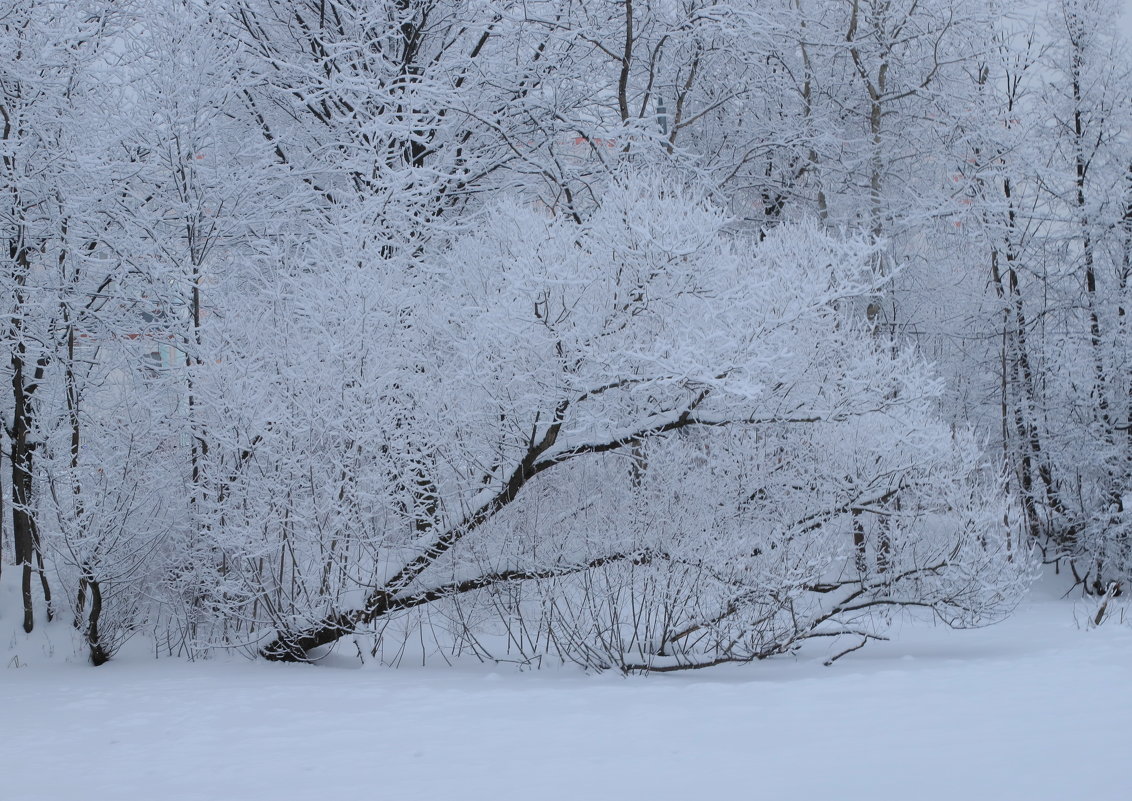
column 643, row 335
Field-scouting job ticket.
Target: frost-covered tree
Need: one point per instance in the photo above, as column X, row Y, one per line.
column 1089, row 108
column 541, row 376
column 51, row 179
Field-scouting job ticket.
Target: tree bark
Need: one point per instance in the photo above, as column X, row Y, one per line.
column 25, row 528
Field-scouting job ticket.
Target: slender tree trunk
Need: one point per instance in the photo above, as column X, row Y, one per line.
column 1125, row 327
column 860, row 554
column 1081, row 168
column 25, row 528
column 89, row 585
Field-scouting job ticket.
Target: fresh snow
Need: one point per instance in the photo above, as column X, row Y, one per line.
column 1035, row 708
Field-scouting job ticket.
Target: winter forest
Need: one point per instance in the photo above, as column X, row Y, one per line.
column 637, row 335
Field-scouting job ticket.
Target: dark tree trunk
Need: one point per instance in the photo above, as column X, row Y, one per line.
column 25, row 530
column 98, row 653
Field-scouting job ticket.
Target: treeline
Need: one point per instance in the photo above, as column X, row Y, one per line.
column 642, row 335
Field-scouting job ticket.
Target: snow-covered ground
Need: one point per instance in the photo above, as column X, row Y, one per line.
column 1036, row 708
